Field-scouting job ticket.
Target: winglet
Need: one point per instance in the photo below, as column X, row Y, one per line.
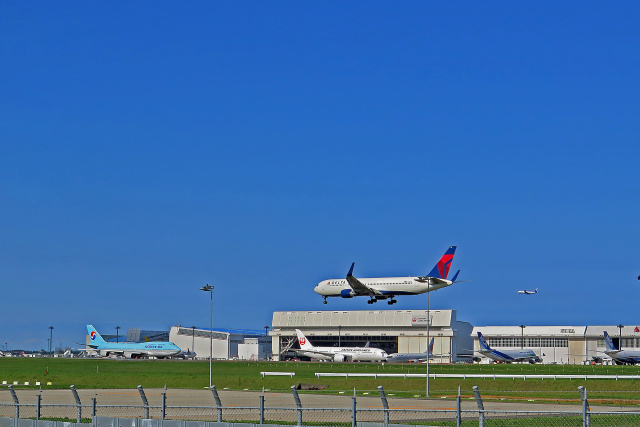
column 350, row 273
column 455, row 276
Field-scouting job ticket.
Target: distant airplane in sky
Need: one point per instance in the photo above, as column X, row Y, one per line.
column 621, row 357
column 411, row 357
column 528, row 292
column 338, row 354
column 507, row 356
column 382, row 288
column 130, row 350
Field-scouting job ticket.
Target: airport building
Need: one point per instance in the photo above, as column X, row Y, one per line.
column 559, row 344
column 403, row 331
column 224, row 344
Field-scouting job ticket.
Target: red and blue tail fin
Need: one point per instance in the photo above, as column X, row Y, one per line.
column 441, row 270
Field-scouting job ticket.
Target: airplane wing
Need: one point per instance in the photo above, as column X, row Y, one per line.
column 359, row 287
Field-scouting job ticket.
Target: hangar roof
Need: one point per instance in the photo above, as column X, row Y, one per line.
column 362, row 319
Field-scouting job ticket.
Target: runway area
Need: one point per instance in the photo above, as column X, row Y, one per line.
column 231, row 399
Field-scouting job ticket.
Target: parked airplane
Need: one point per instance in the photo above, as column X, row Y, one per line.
column 411, row 357
column 621, row 357
column 381, row 288
column 526, row 292
column 507, row 356
column 130, row 350
column 338, row 354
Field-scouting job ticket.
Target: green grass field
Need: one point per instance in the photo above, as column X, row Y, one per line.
column 107, row 373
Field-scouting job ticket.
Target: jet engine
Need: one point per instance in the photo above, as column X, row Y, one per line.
column 347, row 293
column 339, row 358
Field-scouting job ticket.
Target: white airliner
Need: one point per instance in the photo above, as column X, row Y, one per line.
column 526, row 292
column 129, row 350
column 411, row 357
column 507, row 356
column 620, row 357
column 338, row 354
column 381, row 288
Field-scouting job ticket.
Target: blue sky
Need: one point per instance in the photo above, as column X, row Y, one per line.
column 147, row 149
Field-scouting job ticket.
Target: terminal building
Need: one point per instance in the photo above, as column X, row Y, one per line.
column 394, row 331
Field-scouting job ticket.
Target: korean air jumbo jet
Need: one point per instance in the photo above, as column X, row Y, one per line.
column 338, row 354
column 620, row 357
column 130, row 350
column 382, row 288
column 507, row 356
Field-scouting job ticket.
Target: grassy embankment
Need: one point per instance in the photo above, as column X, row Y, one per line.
column 105, row 373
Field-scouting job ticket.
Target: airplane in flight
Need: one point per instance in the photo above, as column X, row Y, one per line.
column 526, row 292
column 158, row 349
column 382, row 288
column 620, row 357
column 411, row 357
column 507, row 356
column 338, row 354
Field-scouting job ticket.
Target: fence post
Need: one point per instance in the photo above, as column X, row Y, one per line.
column 164, row 404
column 16, row 403
column 298, row 404
column 38, row 405
column 458, row 410
column 145, row 402
column 586, row 417
column 385, row 405
column 262, row 408
column 353, row 409
column 78, row 404
column 218, row 403
column 93, row 409
column 476, row 392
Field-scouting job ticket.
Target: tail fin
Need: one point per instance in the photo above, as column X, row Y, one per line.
column 431, row 346
column 441, row 270
column 609, row 342
column 483, row 343
column 94, row 335
column 304, row 343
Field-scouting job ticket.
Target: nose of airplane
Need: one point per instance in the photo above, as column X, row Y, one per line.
column 317, row 288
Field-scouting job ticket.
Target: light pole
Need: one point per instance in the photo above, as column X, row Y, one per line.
column 339, row 334
column 209, row 288
column 522, row 336
column 50, row 338
column 193, row 338
column 620, row 326
column 117, row 333
column 428, row 326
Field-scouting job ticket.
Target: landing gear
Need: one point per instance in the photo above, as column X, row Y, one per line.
column 325, row 300
column 371, row 301
column 391, row 302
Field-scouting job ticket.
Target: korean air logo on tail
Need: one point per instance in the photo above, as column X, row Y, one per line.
column 93, row 335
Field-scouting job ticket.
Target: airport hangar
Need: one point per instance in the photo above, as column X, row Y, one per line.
column 559, row 344
column 403, row 331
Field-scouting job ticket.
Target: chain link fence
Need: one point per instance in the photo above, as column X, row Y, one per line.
column 138, row 408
